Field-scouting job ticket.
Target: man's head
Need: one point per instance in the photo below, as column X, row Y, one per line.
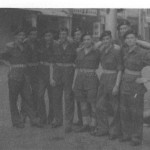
column 130, row 38
column 48, row 36
column 87, row 40
column 63, row 34
column 20, row 35
column 123, row 27
column 77, row 34
column 32, row 33
column 106, row 38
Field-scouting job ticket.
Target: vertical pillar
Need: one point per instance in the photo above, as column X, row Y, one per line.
column 34, row 20
column 111, row 21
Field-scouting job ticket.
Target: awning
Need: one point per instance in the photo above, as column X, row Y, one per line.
column 52, row 11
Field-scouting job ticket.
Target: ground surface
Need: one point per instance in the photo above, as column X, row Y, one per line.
column 48, row 138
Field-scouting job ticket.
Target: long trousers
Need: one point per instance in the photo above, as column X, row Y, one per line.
column 131, row 112
column 44, row 84
column 16, row 88
column 106, row 122
column 64, row 79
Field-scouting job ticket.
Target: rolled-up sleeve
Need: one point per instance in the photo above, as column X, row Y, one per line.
column 119, row 60
column 146, row 58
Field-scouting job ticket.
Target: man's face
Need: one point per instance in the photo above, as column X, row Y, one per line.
column 106, row 40
column 63, row 36
column 123, row 29
column 77, row 36
column 130, row 40
column 87, row 40
column 33, row 35
column 20, row 37
column 48, row 36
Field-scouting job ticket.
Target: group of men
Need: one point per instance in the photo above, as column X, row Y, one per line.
column 37, row 65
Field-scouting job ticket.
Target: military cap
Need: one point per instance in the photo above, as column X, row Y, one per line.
column 19, row 30
column 32, row 29
column 124, row 22
column 105, row 33
column 47, row 31
column 77, row 29
column 63, row 29
column 130, row 32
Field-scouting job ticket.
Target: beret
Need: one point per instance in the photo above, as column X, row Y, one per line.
column 19, row 30
column 124, row 22
column 105, row 33
column 77, row 29
column 63, row 29
column 130, row 32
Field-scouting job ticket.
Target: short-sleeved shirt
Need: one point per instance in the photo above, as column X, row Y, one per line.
column 32, row 48
column 65, row 55
column 15, row 54
column 111, row 58
column 88, row 61
column 136, row 59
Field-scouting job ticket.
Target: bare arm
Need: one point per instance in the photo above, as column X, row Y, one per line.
column 52, row 81
column 74, row 78
column 143, row 43
column 118, row 80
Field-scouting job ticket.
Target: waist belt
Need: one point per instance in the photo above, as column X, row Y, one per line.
column 109, row 71
column 32, row 64
column 65, row 65
column 132, row 72
column 44, row 63
column 87, row 70
column 18, row 66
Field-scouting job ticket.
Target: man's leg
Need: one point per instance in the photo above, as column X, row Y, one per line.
column 28, row 106
column 14, row 89
column 137, row 118
column 114, row 123
column 57, row 104
column 125, row 116
column 41, row 101
column 69, row 108
column 51, row 109
column 34, row 83
column 101, row 115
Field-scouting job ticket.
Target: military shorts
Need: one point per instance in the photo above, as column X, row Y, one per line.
column 85, row 88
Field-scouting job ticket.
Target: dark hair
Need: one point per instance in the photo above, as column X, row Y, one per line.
column 123, row 22
column 86, row 34
column 130, row 32
column 32, row 29
column 64, row 29
column 77, row 29
column 19, row 30
column 47, row 31
column 105, row 33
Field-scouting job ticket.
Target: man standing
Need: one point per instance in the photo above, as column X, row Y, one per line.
column 32, row 46
column 78, row 42
column 44, row 70
column 63, row 75
column 17, row 55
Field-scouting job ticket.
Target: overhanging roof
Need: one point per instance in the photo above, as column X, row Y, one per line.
column 52, row 11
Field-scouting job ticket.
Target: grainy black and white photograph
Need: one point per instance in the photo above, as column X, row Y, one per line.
column 74, row 78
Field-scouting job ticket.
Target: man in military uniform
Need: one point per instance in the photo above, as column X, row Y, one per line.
column 44, row 70
column 132, row 90
column 123, row 27
column 16, row 55
column 111, row 61
column 63, row 75
column 32, row 46
column 78, row 42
